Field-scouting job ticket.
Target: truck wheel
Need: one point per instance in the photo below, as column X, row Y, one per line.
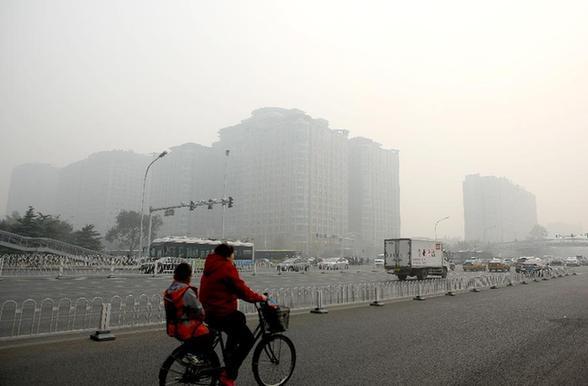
column 401, row 277
column 444, row 274
column 422, row 274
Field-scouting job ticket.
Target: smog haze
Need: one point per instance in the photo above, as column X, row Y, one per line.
column 458, row 87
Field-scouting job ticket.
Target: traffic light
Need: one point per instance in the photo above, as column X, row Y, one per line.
column 210, row 202
column 230, row 202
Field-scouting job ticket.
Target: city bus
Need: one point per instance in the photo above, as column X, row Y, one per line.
column 195, row 250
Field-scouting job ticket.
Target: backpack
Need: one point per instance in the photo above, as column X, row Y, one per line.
column 172, row 313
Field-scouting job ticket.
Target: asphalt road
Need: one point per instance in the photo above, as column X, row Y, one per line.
column 90, row 286
column 527, row 334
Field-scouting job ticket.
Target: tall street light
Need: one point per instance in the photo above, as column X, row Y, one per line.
column 437, row 223
column 163, row 154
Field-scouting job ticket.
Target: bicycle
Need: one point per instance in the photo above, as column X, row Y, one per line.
column 273, row 361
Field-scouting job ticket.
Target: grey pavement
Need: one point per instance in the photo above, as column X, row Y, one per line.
column 100, row 285
column 523, row 335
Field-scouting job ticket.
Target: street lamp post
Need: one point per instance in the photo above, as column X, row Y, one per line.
column 161, row 155
column 437, row 223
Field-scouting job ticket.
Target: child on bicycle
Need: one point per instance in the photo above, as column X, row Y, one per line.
column 184, row 312
column 220, row 287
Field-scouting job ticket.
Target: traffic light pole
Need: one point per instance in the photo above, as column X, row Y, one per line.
column 227, row 201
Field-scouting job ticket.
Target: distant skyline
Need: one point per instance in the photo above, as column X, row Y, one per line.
column 457, row 87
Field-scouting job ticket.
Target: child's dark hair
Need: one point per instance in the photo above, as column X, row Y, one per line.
column 182, row 272
column 224, row 250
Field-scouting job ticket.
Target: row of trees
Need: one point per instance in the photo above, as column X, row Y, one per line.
column 37, row 224
column 124, row 235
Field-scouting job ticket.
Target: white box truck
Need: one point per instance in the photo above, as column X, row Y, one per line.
column 415, row 257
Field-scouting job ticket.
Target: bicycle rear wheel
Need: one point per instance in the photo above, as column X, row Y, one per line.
column 180, row 369
column 273, row 360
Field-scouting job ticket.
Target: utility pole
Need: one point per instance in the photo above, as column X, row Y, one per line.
column 224, row 191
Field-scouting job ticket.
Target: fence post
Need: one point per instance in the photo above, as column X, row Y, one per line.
column 419, row 291
column 494, row 282
column 60, row 274
column 475, row 289
column 376, row 302
column 103, row 333
column 449, row 289
column 524, row 281
column 319, row 303
column 1, row 266
column 111, row 275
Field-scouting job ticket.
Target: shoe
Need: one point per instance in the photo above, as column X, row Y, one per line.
column 225, row 380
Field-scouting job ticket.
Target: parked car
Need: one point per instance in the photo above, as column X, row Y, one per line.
column 295, row 264
column 474, row 264
column 509, row 261
column 498, row 265
column 531, row 264
column 334, row 263
column 557, row 262
column 379, row 261
column 572, row 261
column 520, row 262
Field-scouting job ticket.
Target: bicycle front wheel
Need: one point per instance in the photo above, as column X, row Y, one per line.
column 273, row 360
column 180, row 368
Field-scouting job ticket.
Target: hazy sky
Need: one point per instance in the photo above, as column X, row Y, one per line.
column 459, row 87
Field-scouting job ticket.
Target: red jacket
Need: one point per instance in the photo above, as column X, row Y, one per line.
column 221, row 286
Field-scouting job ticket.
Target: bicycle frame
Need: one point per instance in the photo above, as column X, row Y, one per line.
column 259, row 333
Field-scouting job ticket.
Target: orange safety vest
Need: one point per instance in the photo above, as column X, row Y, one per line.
column 178, row 323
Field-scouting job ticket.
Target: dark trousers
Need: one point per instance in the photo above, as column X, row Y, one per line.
column 239, row 342
column 199, row 345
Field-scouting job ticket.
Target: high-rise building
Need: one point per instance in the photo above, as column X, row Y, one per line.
column 33, row 185
column 96, row 189
column 374, row 198
column 288, row 173
column 496, row 210
column 297, row 184
column 190, row 172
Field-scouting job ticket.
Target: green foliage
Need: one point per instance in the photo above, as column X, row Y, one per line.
column 88, row 237
column 126, row 231
column 37, row 224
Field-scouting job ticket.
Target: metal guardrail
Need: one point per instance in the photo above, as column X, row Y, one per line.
column 53, row 317
column 43, row 245
column 17, row 265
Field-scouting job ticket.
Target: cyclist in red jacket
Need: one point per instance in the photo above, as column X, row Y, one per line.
column 220, row 287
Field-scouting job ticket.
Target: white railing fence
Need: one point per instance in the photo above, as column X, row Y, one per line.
column 50, row 317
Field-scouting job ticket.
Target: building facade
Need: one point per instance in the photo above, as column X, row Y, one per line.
column 374, row 195
column 297, row 185
column 288, row 173
column 496, row 210
column 96, row 189
column 190, row 172
column 33, row 185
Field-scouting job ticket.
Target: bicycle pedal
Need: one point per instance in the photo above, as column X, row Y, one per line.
column 191, row 359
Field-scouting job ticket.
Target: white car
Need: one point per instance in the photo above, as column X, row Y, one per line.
column 572, row 261
column 334, row 263
column 379, row 261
